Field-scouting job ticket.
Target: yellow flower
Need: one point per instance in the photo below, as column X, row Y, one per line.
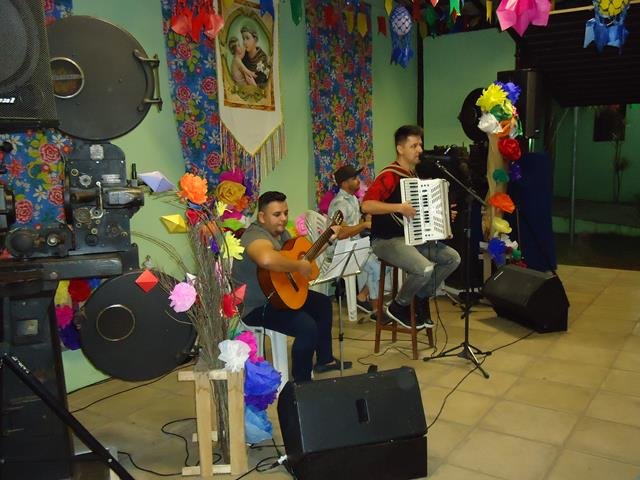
column 193, row 188
column 220, row 208
column 231, row 247
column 230, row 192
column 491, row 96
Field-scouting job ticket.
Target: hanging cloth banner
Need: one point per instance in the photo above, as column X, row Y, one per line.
column 249, row 93
column 340, row 80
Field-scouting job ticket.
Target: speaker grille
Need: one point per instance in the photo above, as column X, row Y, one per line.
column 26, row 91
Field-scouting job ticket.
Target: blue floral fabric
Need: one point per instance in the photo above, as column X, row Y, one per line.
column 341, row 86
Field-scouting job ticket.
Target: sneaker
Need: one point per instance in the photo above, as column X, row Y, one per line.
column 423, row 312
column 331, row 366
column 402, row 315
column 364, row 305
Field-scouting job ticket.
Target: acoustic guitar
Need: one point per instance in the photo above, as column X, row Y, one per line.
column 289, row 290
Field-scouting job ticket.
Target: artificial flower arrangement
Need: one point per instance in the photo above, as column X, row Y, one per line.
column 211, row 300
column 500, row 121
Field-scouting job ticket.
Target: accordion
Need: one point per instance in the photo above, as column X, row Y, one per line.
column 430, row 198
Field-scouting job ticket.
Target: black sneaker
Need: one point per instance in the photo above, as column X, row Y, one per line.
column 423, row 312
column 402, row 315
column 364, row 305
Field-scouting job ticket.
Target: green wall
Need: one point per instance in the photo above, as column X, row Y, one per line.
column 454, row 66
column 594, row 164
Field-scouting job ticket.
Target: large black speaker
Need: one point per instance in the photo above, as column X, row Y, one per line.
column 369, row 426
column 529, row 104
column 534, row 299
column 26, row 90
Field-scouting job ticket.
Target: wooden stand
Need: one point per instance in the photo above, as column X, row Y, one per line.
column 205, row 415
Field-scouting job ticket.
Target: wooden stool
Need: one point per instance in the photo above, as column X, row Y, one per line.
column 393, row 326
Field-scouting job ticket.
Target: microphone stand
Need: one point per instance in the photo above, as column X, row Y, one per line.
column 467, row 350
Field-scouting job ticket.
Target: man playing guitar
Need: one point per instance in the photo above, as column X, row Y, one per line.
column 310, row 325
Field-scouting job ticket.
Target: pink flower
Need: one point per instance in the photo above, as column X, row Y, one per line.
column 234, row 175
column 250, row 339
column 64, row 314
column 301, row 226
column 182, row 297
column 323, row 204
column 361, row 191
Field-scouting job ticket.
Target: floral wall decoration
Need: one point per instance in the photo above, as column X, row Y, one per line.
column 339, row 58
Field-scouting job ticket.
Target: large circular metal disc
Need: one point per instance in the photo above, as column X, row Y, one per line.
column 132, row 334
column 20, row 44
column 99, row 56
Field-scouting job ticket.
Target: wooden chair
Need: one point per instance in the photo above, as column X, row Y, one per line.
column 393, row 326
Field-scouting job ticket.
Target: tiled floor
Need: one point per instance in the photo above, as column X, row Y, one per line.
column 557, row 406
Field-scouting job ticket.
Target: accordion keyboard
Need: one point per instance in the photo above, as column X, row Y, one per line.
column 430, row 198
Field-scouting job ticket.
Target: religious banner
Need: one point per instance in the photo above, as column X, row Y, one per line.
column 249, row 93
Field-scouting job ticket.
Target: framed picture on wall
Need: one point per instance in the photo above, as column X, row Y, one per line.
column 609, row 123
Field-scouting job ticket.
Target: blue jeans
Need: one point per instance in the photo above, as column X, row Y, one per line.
column 426, row 265
column 310, row 326
column 372, row 270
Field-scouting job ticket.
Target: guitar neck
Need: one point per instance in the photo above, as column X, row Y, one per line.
column 314, row 250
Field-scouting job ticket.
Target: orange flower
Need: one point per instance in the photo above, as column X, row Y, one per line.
column 503, row 202
column 193, row 188
column 242, row 203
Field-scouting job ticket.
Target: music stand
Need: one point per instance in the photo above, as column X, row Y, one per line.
column 347, row 258
column 467, row 350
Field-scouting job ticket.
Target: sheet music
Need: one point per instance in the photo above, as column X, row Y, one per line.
column 360, row 249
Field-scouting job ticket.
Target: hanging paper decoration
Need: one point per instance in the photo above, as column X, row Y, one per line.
column 296, row 11
column 388, row 5
column 607, row 27
column 500, row 121
column 520, row 13
column 489, row 10
column 454, row 7
column 349, row 20
column 382, row 26
column 266, row 6
column 415, row 10
column 401, row 26
column 361, row 23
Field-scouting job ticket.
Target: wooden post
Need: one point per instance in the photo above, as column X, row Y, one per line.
column 205, row 416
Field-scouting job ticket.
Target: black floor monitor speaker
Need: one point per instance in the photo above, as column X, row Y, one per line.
column 529, row 104
column 26, row 90
column 369, row 426
column 534, row 299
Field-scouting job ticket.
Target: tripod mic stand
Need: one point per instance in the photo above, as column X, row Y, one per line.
column 466, row 349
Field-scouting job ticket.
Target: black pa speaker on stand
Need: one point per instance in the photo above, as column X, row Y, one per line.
column 26, row 90
column 534, row 299
column 369, row 426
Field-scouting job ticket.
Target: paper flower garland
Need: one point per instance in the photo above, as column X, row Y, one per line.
column 607, row 27
column 500, row 121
